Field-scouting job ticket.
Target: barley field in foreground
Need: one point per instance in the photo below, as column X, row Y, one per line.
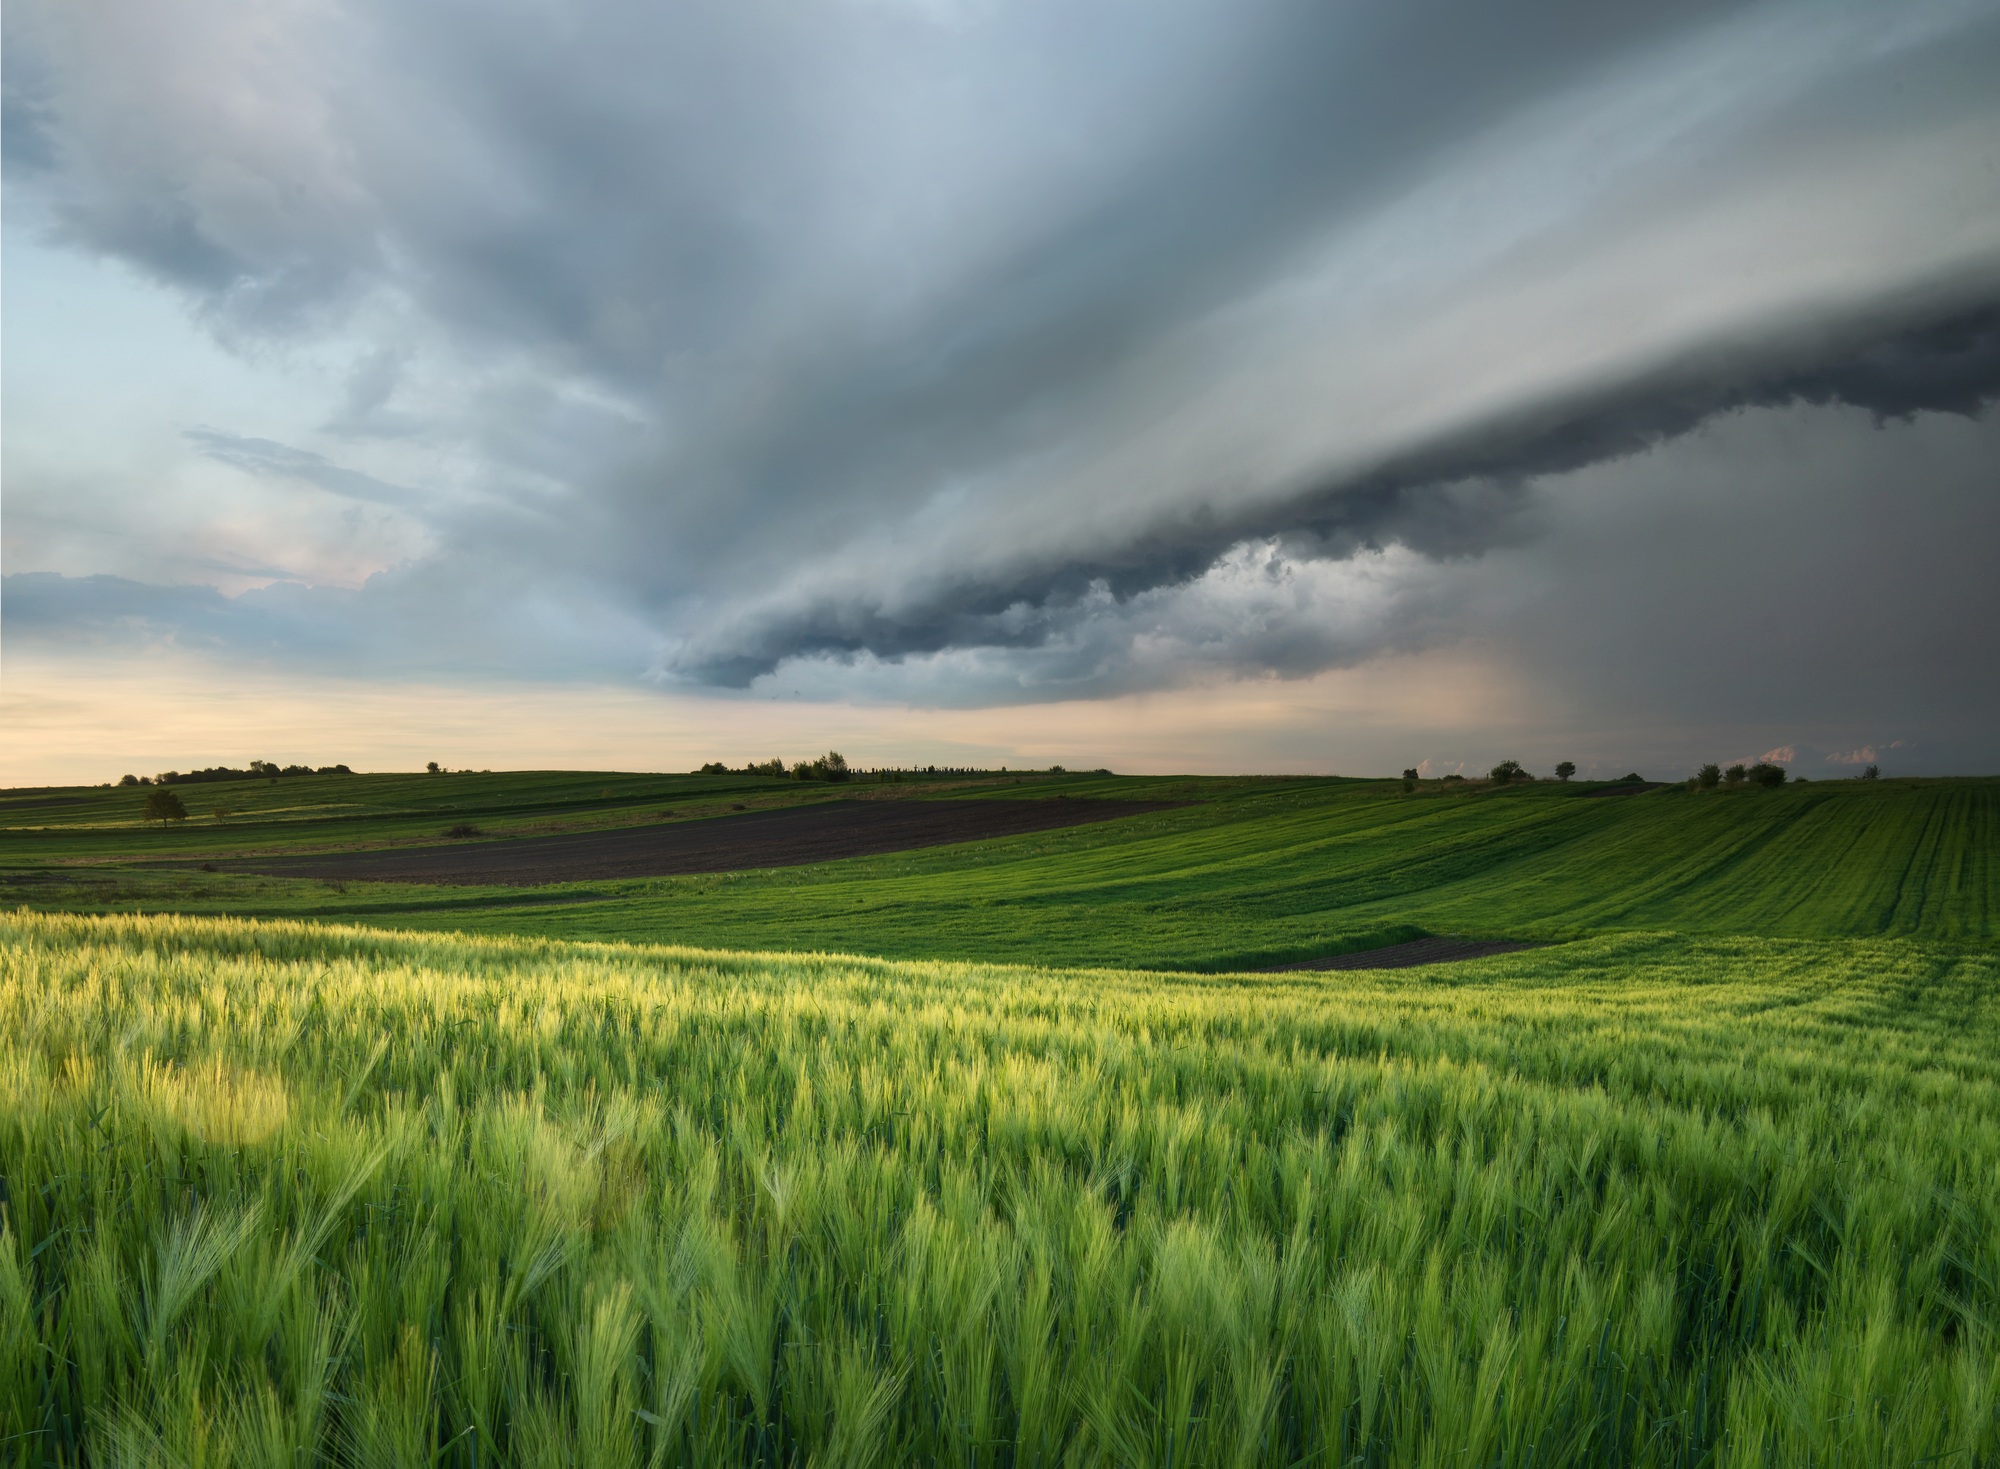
column 277, row 1194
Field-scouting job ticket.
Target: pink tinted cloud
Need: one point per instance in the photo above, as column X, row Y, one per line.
column 1867, row 754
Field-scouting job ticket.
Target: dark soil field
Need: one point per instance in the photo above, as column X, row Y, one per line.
column 790, row 837
column 1408, row 956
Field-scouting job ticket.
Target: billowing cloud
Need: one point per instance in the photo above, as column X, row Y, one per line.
column 978, row 353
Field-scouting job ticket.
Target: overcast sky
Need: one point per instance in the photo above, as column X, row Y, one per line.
column 1210, row 384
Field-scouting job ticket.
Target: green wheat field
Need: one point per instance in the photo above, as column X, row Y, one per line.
column 666, row 1173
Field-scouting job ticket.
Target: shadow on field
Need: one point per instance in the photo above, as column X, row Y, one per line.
column 790, row 837
column 1408, row 956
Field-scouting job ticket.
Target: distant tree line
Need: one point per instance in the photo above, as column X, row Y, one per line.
column 832, row 766
column 1712, row 776
column 1508, row 772
column 259, row 770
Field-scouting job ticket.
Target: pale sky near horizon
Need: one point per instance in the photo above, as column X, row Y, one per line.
column 1180, row 385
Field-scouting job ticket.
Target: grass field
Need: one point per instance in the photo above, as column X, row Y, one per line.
column 282, row 1194
column 1713, row 1179
column 1253, row 872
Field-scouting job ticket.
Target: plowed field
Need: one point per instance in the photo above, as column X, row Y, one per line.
column 791, row 837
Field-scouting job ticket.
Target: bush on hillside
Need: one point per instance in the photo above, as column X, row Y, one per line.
column 1507, row 770
column 1565, row 769
column 1767, row 775
column 1709, row 776
column 163, row 806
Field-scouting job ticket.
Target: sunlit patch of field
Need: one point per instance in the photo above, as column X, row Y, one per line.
column 1252, row 873
column 284, row 1194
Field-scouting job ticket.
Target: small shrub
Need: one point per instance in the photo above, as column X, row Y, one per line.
column 1505, row 771
column 463, row 829
column 1735, row 775
column 1767, row 775
column 713, row 767
column 1873, row 772
column 1709, row 776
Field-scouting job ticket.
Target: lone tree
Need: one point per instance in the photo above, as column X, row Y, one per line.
column 1873, row 772
column 163, row 806
column 432, row 767
column 1505, row 771
column 1565, row 770
column 1411, row 774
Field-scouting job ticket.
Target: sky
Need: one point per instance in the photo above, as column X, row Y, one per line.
column 1201, row 385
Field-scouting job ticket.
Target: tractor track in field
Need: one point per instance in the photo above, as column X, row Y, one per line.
column 794, row 836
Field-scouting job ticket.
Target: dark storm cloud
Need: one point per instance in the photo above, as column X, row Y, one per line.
column 1453, row 498
column 875, row 331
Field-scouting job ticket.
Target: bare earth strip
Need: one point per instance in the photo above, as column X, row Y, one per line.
column 1406, row 956
column 789, row 837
